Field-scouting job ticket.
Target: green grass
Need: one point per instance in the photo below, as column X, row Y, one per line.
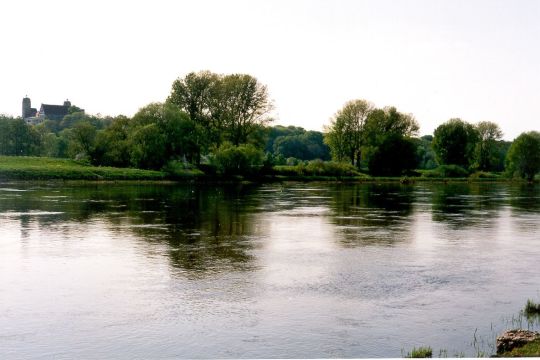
column 421, row 352
column 532, row 308
column 531, row 349
column 43, row 168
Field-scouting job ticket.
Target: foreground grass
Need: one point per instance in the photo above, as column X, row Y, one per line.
column 531, row 349
column 421, row 352
column 43, row 168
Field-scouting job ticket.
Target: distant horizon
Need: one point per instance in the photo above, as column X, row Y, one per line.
column 435, row 59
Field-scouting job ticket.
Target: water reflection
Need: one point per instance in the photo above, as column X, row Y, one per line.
column 205, row 228
column 277, row 270
column 372, row 214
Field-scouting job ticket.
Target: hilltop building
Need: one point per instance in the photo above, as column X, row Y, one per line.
column 46, row 111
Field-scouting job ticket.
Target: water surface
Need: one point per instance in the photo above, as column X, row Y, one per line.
column 279, row 270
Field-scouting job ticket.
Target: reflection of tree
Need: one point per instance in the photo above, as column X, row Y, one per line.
column 525, row 198
column 372, row 213
column 463, row 204
column 205, row 228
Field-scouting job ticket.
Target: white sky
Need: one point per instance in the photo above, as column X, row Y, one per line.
column 478, row 60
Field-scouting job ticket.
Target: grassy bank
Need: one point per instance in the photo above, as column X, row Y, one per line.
column 531, row 349
column 42, row 168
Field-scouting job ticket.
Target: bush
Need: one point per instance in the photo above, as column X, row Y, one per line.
column 318, row 168
column 244, row 159
column 180, row 169
column 446, row 171
column 484, row 175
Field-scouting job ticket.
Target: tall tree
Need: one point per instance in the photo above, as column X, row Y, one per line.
column 346, row 133
column 244, row 104
column 228, row 107
column 486, row 149
column 523, row 158
column 454, row 143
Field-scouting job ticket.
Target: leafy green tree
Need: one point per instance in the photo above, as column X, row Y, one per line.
column 346, row 134
column 425, row 156
column 278, row 131
column 454, row 143
column 307, row 146
column 523, row 159
column 113, row 144
column 386, row 126
column 244, row 104
column 228, row 107
column 394, row 156
column 388, row 121
column 17, row 138
column 147, row 147
column 486, row 152
column 182, row 136
column 82, row 140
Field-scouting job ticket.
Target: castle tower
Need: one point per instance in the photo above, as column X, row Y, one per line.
column 67, row 103
column 26, row 107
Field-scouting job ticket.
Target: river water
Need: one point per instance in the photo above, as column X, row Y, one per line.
column 277, row 270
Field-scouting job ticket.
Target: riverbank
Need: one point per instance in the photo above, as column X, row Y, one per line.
column 43, row 168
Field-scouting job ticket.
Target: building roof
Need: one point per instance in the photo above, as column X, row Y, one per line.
column 54, row 110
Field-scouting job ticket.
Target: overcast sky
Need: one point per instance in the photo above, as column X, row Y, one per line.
column 477, row 60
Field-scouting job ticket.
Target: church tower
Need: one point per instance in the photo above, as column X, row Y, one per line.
column 26, row 107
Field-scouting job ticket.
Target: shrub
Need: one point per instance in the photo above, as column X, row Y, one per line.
column 180, row 169
column 244, row 159
column 446, row 171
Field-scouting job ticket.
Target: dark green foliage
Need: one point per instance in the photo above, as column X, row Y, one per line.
column 318, row 168
column 393, row 156
column 454, row 143
column 446, row 171
column 523, row 159
column 244, row 159
column 279, row 130
column 532, row 308
column 147, row 147
column 425, row 156
column 17, row 138
column 308, row 145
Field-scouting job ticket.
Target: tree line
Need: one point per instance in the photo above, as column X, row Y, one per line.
column 221, row 124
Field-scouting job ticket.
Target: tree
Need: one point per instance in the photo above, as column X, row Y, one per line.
column 228, row 107
column 454, row 143
column 193, row 94
column 388, row 121
column 82, row 140
column 17, row 138
column 345, row 134
column 389, row 128
column 112, row 144
column 182, row 137
column 395, row 155
column 244, row 104
column 147, row 147
column 485, row 154
column 523, row 159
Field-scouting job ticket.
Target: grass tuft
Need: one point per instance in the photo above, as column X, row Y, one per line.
column 421, row 352
column 532, row 308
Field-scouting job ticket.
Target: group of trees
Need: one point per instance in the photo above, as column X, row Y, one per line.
column 221, row 121
column 383, row 142
column 377, row 139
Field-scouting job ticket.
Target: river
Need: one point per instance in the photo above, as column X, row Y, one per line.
column 263, row 271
